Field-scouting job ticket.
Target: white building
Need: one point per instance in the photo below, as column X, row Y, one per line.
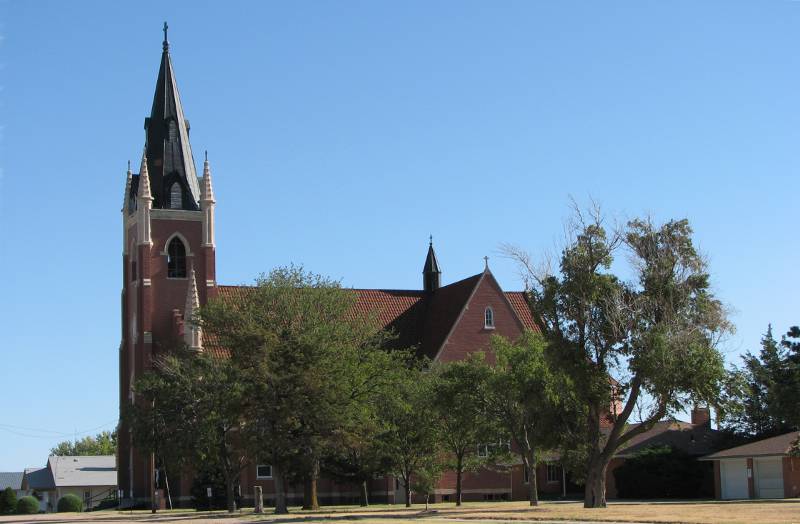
column 92, row 478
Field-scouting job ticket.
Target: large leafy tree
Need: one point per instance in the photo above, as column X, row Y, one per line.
column 191, row 408
column 655, row 336
column 411, row 436
column 309, row 364
column 459, row 391
column 530, row 399
column 104, row 443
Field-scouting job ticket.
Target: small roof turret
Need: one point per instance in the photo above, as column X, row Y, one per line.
column 431, row 274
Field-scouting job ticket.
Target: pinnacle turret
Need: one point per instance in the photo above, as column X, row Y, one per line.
column 192, row 334
column 207, row 195
column 128, row 180
column 144, row 181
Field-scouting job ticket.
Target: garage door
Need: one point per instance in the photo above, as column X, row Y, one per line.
column 733, row 474
column 769, row 478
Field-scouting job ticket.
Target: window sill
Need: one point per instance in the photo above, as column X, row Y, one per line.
column 488, row 328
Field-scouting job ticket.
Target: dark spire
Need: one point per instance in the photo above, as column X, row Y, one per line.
column 169, row 154
column 431, row 274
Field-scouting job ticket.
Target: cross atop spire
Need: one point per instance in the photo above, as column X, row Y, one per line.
column 165, row 44
column 486, row 263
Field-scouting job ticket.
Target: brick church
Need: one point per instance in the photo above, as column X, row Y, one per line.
column 169, row 270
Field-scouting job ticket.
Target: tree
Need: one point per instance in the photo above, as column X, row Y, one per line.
column 8, row 501
column 192, row 406
column 309, row 363
column 104, row 443
column 760, row 399
column 791, row 383
column 656, row 336
column 425, row 480
column 411, row 437
column 529, row 398
column 458, row 403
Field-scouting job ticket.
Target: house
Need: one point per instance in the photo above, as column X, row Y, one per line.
column 761, row 469
column 91, row 478
column 13, row 480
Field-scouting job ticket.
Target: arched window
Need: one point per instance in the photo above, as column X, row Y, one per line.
column 176, row 259
column 488, row 318
column 175, row 196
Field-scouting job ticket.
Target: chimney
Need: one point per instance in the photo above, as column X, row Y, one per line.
column 701, row 416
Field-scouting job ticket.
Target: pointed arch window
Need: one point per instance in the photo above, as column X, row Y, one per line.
column 175, row 196
column 488, row 318
column 176, row 259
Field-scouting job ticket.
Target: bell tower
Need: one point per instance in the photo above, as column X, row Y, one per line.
column 168, row 261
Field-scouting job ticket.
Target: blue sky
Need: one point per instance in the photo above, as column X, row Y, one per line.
column 341, row 134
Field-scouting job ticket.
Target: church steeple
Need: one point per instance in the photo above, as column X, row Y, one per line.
column 431, row 274
column 173, row 178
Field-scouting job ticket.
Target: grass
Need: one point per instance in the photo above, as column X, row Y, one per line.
column 709, row 512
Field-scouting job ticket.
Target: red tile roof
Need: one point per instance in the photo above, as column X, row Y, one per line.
column 418, row 319
column 519, row 302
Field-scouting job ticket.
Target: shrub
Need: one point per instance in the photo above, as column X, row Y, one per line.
column 208, row 478
column 664, row 472
column 70, row 504
column 8, row 501
column 27, row 505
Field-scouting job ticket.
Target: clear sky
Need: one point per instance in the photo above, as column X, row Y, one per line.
column 342, row 134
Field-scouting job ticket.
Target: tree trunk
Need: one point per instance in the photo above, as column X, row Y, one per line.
column 364, row 494
column 280, row 492
column 307, row 493
column 533, row 491
column 427, row 497
column 595, row 492
column 229, row 495
column 407, row 487
column 459, row 474
column 314, row 478
column 310, row 500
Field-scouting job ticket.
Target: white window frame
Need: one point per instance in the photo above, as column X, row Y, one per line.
column 264, row 477
column 488, row 318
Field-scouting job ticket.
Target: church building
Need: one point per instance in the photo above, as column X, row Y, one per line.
column 168, row 270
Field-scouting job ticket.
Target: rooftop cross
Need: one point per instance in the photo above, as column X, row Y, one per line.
column 431, row 239
column 486, row 262
column 166, row 42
